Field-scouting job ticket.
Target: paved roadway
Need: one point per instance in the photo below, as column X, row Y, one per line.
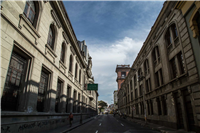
column 110, row 124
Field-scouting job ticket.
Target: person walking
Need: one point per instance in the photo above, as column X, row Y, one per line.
column 70, row 119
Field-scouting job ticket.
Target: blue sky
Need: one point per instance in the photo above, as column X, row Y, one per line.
column 114, row 32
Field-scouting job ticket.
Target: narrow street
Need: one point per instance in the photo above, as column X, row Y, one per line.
column 110, row 124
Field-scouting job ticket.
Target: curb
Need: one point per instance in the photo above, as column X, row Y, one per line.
column 78, row 125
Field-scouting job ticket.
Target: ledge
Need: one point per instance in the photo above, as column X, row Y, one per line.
column 62, row 65
column 29, row 24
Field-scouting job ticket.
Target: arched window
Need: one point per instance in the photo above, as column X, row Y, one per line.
column 70, row 63
column 80, row 76
column 156, row 55
column 174, row 31
column 62, row 55
column 51, row 36
column 168, row 38
column 171, row 37
column 29, row 11
column 76, row 67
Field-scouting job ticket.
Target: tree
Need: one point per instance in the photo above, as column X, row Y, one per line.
column 102, row 104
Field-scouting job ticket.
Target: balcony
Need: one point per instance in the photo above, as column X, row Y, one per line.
column 120, row 77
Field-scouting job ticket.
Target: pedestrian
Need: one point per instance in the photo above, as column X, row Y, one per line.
column 70, row 119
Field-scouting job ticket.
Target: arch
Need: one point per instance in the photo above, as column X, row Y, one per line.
column 52, row 36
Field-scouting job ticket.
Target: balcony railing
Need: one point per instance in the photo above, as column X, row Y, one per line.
column 121, row 77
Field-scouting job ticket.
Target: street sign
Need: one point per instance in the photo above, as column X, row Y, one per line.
column 92, row 87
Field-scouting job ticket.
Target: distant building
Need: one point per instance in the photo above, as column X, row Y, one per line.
column 165, row 83
column 122, row 71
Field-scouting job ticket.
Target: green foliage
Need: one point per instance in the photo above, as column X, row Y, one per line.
column 102, row 104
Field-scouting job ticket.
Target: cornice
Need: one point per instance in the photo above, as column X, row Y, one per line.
column 149, row 38
column 55, row 18
column 66, row 37
column 68, row 29
column 72, row 50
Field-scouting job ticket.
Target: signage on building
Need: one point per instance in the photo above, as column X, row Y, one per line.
column 92, row 87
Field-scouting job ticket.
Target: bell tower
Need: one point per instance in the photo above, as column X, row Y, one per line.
column 122, row 71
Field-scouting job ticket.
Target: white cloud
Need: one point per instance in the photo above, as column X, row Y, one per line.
column 105, row 60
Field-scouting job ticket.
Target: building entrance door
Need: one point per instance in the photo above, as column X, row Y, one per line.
column 14, row 79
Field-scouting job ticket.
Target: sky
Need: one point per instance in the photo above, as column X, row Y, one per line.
column 114, row 32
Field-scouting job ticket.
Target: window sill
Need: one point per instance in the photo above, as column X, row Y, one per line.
column 178, row 77
column 50, row 51
column 62, row 65
column 29, row 24
column 70, row 74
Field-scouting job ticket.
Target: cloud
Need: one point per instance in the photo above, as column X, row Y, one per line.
column 106, row 58
column 114, row 32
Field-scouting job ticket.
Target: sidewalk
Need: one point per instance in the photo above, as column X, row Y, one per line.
column 160, row 128
column 65, row 129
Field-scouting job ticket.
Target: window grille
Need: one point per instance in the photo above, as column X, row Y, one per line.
column 15, row 74
column 42, row 91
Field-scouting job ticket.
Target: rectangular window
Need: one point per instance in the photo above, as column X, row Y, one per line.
column 181, row 62
column 131, row 86
column 68, row 99
column 151, row 106
column 131, row 96
column 42, row 90
column 161, row 76
column 79, row 100
column 147, row 86
column 58, row 94
column 157, row 79
column 173, row 68
column 159, row 106
column 135, row 81
column 141, row 89
column 74, row 102
column 164, row 105
column 137, row 109
column 123, row 74
column 15, row 78
column 136, row 93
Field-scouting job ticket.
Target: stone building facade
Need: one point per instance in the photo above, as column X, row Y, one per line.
column 44, row 68
column 115, row 99
column 163, row 85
